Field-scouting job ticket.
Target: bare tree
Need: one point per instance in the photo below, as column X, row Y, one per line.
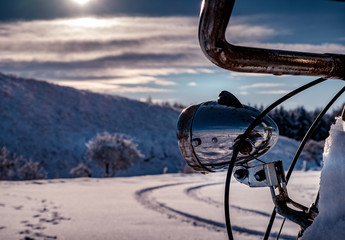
column 112, row 152
column 81, row 171
column 16, row 167
column 312, row 152
column 30, row 170
column 5, row 164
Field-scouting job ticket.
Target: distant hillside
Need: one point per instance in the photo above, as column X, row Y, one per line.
column 51, row 125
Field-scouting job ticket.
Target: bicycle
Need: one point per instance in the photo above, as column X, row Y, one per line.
column 210, row 143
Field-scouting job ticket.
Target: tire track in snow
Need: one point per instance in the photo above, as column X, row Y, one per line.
column 144, row 198
column 192, row 192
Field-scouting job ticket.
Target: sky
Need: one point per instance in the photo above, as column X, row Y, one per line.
column 149, row 49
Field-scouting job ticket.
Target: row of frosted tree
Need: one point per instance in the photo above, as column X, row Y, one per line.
column 296, row 122
column 112, row 152
column 17, row 167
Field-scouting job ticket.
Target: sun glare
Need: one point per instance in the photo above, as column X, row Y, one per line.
column 89, row 22
column 81, row 2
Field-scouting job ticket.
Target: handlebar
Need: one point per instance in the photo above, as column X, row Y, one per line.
column 214, row 18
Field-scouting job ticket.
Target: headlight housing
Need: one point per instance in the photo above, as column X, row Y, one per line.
column 207, row 134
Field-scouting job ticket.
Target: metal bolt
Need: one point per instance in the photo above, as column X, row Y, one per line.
column 260, row 175
column 241, row 173
column 246, row 148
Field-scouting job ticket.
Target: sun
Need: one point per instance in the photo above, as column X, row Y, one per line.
column 81, row 2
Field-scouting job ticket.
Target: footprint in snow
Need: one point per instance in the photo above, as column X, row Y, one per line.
column 18, row 207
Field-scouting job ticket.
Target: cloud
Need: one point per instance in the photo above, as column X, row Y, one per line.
column 110, row 88
column 127, row 53
column 263, row 85
column 236, row 33
column 273, row 92
column 118, row 61
column 124, row 53
column 243, row 74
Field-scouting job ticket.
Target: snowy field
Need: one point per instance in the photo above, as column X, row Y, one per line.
column 170, row 206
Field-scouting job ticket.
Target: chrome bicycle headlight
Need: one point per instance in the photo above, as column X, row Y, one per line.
column 208, row 132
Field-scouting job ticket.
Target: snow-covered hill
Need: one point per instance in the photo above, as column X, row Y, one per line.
column 51, row 125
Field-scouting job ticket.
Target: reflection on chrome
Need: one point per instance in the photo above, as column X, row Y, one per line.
column 208, row 133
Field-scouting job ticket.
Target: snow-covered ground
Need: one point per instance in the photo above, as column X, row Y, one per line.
column 170, row 206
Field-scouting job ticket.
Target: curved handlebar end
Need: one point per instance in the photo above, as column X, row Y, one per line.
column 214, row 18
